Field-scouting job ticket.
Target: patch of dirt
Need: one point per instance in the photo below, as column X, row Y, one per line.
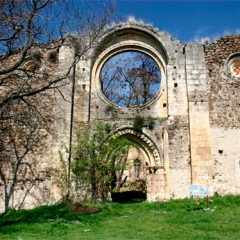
column 78, row 209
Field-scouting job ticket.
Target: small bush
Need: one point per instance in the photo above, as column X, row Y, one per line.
column 150, row 123
column 138, row 123
column 109, row 109
column 53, row 56
column 36, row 55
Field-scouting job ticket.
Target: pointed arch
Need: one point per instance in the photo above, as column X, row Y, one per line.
column 145, row 141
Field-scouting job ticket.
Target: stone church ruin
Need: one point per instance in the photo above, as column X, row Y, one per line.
column 189, row 92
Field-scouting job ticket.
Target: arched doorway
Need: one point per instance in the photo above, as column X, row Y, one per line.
column 133, row 185
column 142, row 177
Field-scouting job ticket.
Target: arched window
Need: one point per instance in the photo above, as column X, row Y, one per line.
column 233, row 64
column 137, row 167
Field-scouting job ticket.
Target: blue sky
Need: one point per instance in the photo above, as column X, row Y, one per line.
column 188, row 20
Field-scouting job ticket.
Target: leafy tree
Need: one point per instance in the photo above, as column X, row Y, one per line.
column 99, row 161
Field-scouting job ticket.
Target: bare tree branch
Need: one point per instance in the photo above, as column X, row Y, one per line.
column 29, row 30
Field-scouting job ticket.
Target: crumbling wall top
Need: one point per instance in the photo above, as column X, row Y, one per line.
column 138, row 29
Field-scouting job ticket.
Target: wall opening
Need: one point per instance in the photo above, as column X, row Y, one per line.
column 130, row 78
column 233, row 64
column 133, row 185
column 143, row 156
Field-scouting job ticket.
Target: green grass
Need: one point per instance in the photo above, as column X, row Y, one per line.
column 183, row 219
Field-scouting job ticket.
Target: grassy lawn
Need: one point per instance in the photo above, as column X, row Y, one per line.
column 171, row 220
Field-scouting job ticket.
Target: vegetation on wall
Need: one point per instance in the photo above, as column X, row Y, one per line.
column 60, row 174
column 140, row 122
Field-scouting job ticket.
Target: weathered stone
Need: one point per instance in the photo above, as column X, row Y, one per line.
column 196, row 114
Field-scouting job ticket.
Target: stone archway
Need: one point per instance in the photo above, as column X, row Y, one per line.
column 150, row 161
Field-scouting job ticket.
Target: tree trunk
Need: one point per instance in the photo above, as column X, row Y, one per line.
column 93, row 183
column 6, row 199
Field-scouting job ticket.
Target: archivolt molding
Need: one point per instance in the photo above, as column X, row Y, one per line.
column 130, row 43
column 145, row 141
column 139, row 29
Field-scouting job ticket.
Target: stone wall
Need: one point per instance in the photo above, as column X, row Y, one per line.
column 196, row 114
column 226, row 158
column 224, row 105
column 224, row 94
column 179, row 157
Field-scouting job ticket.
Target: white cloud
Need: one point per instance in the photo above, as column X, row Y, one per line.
column 132, row 19
column 202, row 37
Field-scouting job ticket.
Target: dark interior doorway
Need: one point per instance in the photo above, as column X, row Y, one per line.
column 129, row 196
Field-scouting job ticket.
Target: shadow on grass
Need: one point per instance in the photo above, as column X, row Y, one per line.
column 38, row 214
column 64, row 212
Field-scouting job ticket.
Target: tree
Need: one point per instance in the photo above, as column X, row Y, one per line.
column 20, row 138
column 25, row 26
column 30, row 36
column 99, row 161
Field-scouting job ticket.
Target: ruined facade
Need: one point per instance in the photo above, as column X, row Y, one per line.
column 196, row 112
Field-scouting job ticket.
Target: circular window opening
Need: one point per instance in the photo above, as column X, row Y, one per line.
column 130, row 78
column 234, row 66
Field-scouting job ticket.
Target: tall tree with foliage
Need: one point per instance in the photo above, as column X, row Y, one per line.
column 99, row 161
